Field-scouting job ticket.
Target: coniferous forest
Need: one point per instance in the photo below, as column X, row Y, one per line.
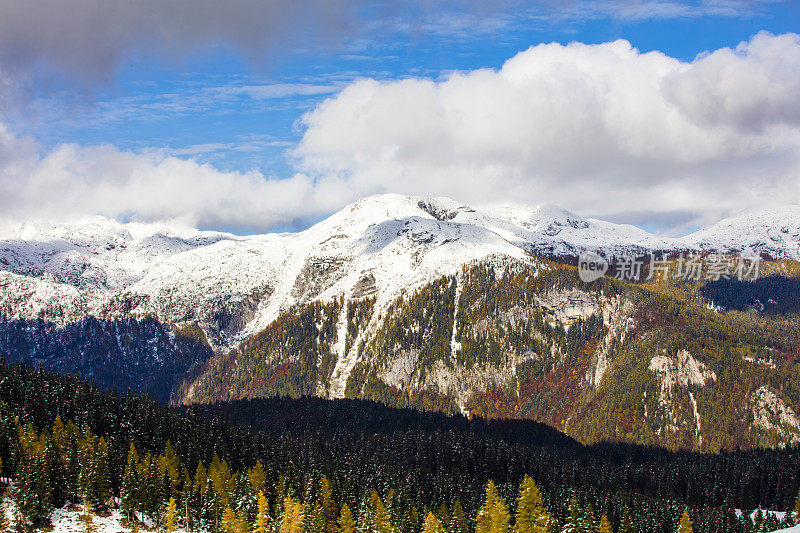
column 341, row 466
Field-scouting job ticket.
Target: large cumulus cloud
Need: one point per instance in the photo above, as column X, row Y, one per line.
column 602, row 129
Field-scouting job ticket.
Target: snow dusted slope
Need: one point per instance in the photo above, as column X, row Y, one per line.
column 96, row 253
column 235, row 286
column 553, row 231
column 775, row 232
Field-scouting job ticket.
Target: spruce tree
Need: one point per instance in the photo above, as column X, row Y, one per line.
column 366, row 518
column 72, row 466
column 589, row 522
column 345, row 524
column 759, row 522
column 129, row 493
column 626, row 522
column 532, row 515
column 315, row 518
column 604, row 526
column 685, row 525
column 31, row 493
column 55, row 476
column 262, row 517
column 5, row 527
column 88, row 518
column 574, row 522
column 795, row 514
column 432, row 524
column 171, row 516
column 493, row 515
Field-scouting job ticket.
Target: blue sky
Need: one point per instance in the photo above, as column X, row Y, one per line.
column 238, row 107
column 191, row 106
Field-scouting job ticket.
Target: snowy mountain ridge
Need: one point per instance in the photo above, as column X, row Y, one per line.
column 234, row 286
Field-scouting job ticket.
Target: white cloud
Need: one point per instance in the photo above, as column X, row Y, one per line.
column 602, row 129
column 73, row 181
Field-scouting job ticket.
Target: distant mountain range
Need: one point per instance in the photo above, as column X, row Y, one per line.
column 236, row 316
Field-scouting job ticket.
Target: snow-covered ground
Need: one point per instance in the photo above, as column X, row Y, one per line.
column 69, row 520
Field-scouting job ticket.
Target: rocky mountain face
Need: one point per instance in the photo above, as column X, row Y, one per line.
column 414, row 301
column 143, row 355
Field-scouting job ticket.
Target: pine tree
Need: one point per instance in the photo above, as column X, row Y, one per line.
column 129, row 493
column 229, row 521
column 574, row 522
column 605, row 525
column 493, row 515
column 262, row 517
column 626, row 523
column 171, row 517
column 458, row 520
column 346, row 524
column 685, row 525
column 432, row 524
column 532, row 515
column 293, row 518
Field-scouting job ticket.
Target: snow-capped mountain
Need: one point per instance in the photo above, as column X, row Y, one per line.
column 234, row 286
column 773, row 232
column 137, row 305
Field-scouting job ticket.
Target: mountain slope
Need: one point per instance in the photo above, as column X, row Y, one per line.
column 771, row 232
column 235, row 286
column 419, row 302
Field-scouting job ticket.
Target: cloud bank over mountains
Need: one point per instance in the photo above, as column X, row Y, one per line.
column 602, row 130
column 598, row 128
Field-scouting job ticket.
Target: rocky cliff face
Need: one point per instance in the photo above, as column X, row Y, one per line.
column 609, row 360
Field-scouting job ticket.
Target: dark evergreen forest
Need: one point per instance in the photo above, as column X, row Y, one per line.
column 303, row 461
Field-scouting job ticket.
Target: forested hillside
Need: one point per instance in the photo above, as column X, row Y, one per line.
column 64, row 440
column 143, row 355
column 682, row 364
